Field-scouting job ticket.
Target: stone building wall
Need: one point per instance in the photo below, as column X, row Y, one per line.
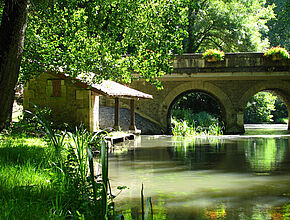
column 70, row 104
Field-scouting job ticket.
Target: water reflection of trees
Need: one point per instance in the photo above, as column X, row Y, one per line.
column 265, row 155
column 198, row 153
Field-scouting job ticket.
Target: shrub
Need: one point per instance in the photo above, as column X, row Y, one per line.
column 187, row 123
column 276, row 53
column 213, row 55
column 259, row 108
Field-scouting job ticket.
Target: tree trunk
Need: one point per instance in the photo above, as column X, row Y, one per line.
column 12, row 30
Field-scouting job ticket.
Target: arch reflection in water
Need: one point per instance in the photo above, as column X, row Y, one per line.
column 265, row 155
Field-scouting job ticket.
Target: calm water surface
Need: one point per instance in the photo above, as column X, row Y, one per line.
column 229, row 177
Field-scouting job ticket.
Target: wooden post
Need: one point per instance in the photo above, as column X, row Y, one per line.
column 116, row 126
column 132, row 114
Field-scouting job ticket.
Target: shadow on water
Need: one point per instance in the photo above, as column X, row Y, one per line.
column 228, row 177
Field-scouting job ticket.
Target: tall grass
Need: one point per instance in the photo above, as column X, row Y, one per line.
column 52, row 177
column 186, row 123
column 25, row 186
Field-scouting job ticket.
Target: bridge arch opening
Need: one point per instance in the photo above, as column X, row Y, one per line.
column 197, row 108
column 268, row 106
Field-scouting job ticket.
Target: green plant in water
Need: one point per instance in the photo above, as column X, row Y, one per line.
column 201, row 124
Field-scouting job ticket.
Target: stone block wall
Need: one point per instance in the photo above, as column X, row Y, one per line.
column 72, row 105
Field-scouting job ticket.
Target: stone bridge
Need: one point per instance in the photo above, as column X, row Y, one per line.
column 231, row 83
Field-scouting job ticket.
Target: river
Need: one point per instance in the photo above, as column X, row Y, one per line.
column 227, row 177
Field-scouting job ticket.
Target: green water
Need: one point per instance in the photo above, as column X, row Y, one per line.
column 229, row 177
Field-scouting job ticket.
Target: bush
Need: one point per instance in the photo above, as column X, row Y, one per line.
column 265, row 107
column 187, row 123
column 259, row 108
column 277, row 53
column 63, row 175
column 213, row 54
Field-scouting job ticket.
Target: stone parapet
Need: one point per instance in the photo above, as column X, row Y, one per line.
column 233, row 62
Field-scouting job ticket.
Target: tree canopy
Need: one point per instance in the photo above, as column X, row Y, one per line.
column 112, row 39
column 232, row 26
column 116, row 38
column 279, row 28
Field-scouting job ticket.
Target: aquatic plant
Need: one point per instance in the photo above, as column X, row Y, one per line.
column 201, row 124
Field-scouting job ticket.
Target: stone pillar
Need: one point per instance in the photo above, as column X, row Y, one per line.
column 116, row 125
column 96, row 113
column 235, row 123
column 132, row 114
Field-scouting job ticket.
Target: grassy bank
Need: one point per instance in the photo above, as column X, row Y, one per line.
column 49, row 174
column 26, row 187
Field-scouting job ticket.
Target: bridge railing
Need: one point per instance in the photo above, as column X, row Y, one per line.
column 233, row 62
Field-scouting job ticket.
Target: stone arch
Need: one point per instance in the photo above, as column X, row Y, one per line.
column 207, row 87
column 278, row 87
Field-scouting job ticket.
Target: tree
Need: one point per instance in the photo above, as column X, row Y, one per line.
column 260, row 107
column 97, row 37
column 197, row 102
column 81, row 37
column 279, row 28
column 12, row 29
column 232, row 26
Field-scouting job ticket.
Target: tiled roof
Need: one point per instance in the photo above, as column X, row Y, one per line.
column 107, row 88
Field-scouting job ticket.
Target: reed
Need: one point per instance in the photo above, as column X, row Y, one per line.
column 184, row 128
column 52, row 177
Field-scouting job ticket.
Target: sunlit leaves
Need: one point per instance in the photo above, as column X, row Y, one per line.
column 279, row 28
column 259, row 108
column 231, row 26
column 108, row 38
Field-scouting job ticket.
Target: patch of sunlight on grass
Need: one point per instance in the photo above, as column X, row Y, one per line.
column 25, row 175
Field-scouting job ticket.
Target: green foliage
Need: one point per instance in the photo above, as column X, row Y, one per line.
column 280, row 115
column 279, row 27
column 55, row 174
column 112, row 39
column 196, row 113
column 265, row 107
column 197, row 102
column 213, row 53
column 28, row 124
column 259, row 108
column 201, row 119
column 231, row 26
column 1, row 10
column 187, row 123
column 278, row 52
